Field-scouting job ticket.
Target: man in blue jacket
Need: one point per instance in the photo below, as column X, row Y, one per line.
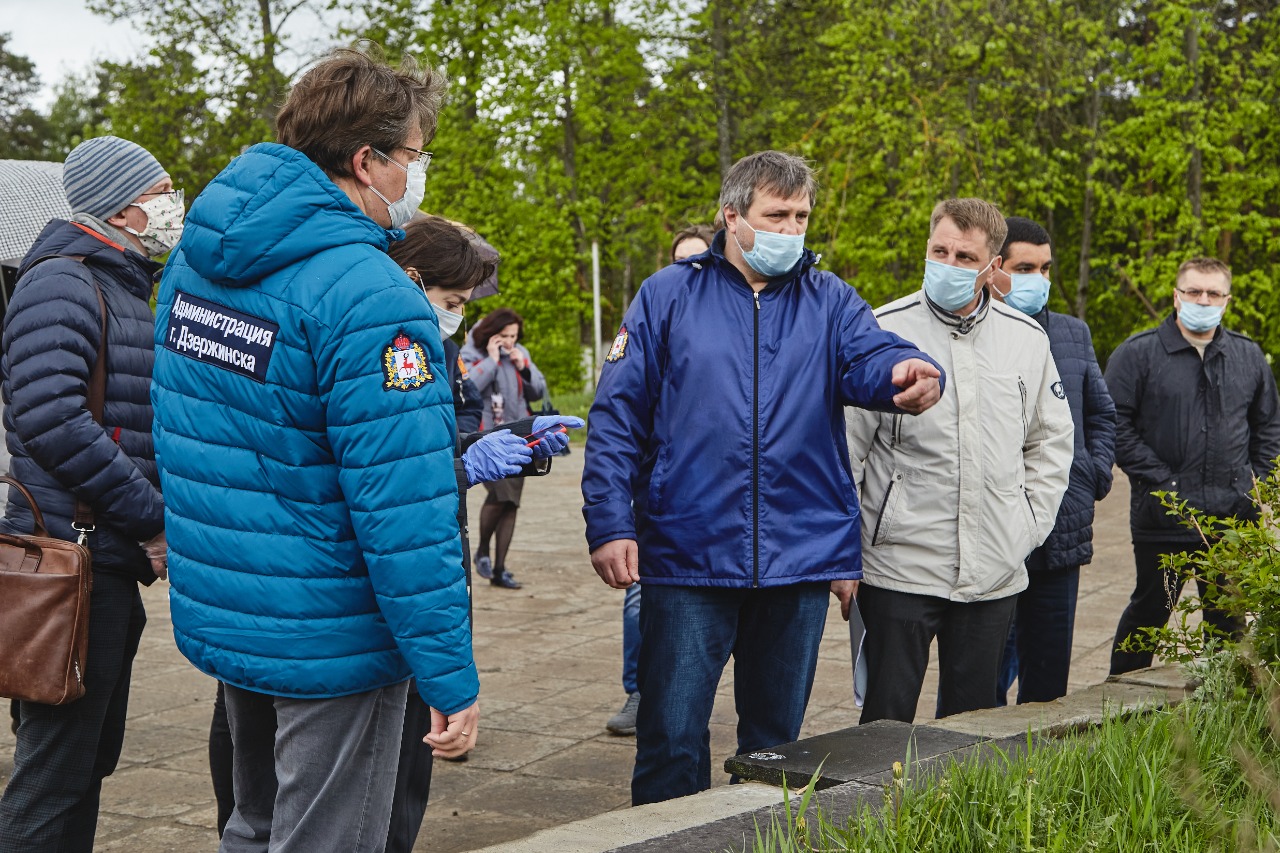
column 717, row 474
column 1039, row 651
column 304, row 425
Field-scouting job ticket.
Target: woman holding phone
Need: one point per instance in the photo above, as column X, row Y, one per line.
column 501, row 369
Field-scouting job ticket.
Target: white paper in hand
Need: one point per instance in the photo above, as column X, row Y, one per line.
column 857, row 634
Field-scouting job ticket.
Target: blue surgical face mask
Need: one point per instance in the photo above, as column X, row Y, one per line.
column 1028, row 292
column 1200, row 318
column 950, row 288
column 415, row 190
column 449, row 321
column 773, row 254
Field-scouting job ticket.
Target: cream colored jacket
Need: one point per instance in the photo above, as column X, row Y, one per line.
column 954, row 500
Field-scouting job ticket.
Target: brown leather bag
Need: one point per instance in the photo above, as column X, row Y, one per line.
column 44, row 613
column 45, row 585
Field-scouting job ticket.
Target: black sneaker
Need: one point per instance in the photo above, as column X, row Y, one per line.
column 503, row 578
column 484, row 566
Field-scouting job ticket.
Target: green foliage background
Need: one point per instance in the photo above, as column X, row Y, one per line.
column 1138, row 133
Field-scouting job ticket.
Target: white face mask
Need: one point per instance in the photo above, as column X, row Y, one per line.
column 165, row 214
column 449, row 321
column 415, row 190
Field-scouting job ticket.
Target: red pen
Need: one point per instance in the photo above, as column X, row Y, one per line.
column 541, row 433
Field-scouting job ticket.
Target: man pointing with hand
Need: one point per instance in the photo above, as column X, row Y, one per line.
column 717, row 474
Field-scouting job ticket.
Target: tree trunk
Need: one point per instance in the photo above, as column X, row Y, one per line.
column 1086, row 229
column 720, row 61
column 1195, row 169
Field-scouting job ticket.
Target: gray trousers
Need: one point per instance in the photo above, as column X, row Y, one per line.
column 335, row 771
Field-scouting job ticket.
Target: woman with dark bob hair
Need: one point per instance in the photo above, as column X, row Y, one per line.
column 508, row 381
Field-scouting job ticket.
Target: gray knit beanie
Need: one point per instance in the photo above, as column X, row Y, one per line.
column 103, row 175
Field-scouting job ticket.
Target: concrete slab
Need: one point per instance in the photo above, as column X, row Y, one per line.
column 645, row 823
column 847, row 755
column 1073, row 712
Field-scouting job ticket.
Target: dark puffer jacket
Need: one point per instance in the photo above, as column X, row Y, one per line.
column 1094, row 414
column 51, row 335
column 1203, row 429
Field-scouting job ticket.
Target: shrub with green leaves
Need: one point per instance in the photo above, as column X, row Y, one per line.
column 1240, row 566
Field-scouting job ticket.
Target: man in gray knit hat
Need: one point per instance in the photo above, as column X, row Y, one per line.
column 126, row 213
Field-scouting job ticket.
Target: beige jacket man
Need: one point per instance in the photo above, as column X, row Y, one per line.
column 953, row 500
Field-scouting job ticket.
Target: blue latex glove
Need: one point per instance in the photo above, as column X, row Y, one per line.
column 554, row 437
column 550, row 444
column 544, row 421
column 497, row 455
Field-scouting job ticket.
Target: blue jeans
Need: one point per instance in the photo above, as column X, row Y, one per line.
column 687, row 636
column 630, row 638
column 1039, row 649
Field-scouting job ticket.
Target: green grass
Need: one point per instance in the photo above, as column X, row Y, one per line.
column 1167, row 781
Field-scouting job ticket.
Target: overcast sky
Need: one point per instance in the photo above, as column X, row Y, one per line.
column 62, row 36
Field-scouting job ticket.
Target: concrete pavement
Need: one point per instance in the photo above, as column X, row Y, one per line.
column 550, row 661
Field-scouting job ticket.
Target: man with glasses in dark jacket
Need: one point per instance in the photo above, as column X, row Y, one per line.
column 1196, row 414
column 1039, row 649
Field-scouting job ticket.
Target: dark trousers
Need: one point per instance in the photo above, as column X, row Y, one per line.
column 687, row 635
column 413, row 776
column 258, row 725
column 1151, row 604
column 65, row 751
column 1039, row 649
column 900, row 626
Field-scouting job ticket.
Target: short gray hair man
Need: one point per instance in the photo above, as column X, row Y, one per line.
column 782, row 174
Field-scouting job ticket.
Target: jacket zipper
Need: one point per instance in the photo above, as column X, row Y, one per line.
column 1022, row 389
column 895, row 435
column 755, row 454
column 884, row 504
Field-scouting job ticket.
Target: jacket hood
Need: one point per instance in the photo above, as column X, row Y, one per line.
column 269, row 209
column 61, row 238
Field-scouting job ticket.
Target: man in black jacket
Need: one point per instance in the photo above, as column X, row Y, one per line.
column 1039, row 652
column 126, row 213
column 1196, row 414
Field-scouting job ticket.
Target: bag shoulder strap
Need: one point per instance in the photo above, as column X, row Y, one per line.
column 95, row 400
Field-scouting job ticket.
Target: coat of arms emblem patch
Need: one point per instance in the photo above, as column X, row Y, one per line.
column 405, row 365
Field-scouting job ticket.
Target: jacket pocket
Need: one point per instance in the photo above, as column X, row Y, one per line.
column 1002, row 439
column 1148, row 513
column 1032, row 521
column 883, row 533
column 657, row 480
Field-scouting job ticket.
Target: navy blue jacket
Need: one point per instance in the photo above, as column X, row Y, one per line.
column 1203, row 429
column 1094, row 416
column 51, row 335
column 720, row 414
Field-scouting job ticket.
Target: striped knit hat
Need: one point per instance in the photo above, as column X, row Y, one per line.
column 102, row 176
